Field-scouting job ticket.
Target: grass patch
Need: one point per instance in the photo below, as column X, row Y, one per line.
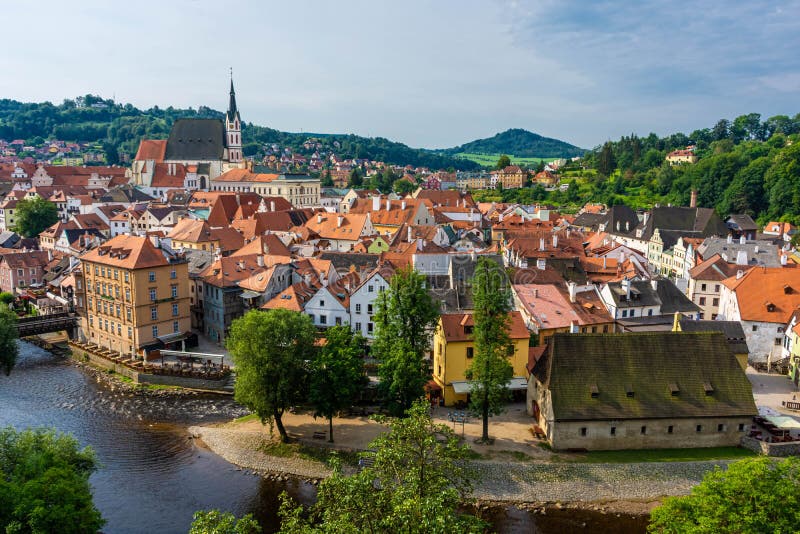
column 490, row 160
column 517, row 455
column 246, row 418
column 307, row 452
column 658, row 455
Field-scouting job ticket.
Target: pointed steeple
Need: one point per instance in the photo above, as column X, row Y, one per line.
column 232, row 111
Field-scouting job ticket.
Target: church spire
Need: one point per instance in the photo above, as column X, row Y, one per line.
column 232, row 111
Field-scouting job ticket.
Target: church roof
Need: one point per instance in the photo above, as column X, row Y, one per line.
column 232, row 111
column 196, row 139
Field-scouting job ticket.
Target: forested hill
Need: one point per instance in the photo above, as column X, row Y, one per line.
column 119, row 128
column 520, row 143
column 745, row 166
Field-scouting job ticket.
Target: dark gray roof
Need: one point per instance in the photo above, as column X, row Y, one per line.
column 342, row 261
column 590, row 220
column 741, row 222
column 621, row 219
column 732, row 330
column 650, row 365
column 196, row 139
column 126, row 193
column 692, row 222
column 759, row 252
column 8, row 239
column 198, row 260
column 666, row 295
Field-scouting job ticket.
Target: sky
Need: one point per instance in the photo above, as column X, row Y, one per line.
column 431, row 74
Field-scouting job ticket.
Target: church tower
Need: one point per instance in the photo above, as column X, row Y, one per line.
column 233, row 130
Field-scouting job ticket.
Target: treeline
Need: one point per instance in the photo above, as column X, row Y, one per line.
column 119, row 128
column 746, row 166
column 520, row 143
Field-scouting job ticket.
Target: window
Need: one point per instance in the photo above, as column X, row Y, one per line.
column 173, row 274
column 650, row 312
column 152, row 294
column 20, row 272
column 175, row 310
column 669, row 429
column 174, row 290
column 699, row 428
column 741, row 427
column 358, row 327
column 96, row 270
column 720, row 427
column 154, row 313
column 128, row 314
column 778, row 341
column 715, row 301
column 702, row 287
column 151, row 276
column 338, row 321
column 369, row 328
column 127, row 276
column 613, row 431
column 440, row 371
column 176, row 327
column 130, row 332
column 470, row 352
column 358, row 308
column 624, row 313
column 716, row 288
column 369, row 309
column 322, row 304
column 755, row 328
column 155, row 330
column 119, row 329
column 702, row 301
column 644, row 430
column 583, row 431
column 128, row 295
column 116, row 274
column 323, row 319
column 370, row 289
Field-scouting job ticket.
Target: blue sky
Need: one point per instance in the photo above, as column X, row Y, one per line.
column 428, row 73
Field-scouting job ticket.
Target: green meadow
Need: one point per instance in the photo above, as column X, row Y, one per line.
column 490, row 160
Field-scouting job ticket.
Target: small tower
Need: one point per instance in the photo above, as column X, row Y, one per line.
column 233, row 129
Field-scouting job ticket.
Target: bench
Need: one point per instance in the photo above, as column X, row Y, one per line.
column 320, row 435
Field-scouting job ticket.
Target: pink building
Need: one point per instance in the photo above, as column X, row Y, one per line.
column 22, row 269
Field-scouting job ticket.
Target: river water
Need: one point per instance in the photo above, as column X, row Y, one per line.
column 153, row 477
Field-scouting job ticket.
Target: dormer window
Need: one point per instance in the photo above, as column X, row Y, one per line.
column 673, row 389
column 708, row 388
column 594, row 391
column 770, row 307
column 629, row 391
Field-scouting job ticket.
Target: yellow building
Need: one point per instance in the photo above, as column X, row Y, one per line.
column 454, row 350
column 136, row 296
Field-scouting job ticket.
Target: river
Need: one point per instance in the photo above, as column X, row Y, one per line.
column 153, row 477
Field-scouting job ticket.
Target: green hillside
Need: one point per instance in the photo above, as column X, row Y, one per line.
column 520, row 143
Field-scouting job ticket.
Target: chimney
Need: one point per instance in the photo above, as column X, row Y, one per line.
column 50, row 255
column 408, row 234
column 541, row 244
column 741, row 258
column 739, row 274
column 654, row 284
column 604, row 263
column 260, row 260
column 755, row 250
column 645, row 217
column 319, row 218
column 626, row 287
column 271, row 205
column 784, row 260
column 555, row 241
column 403, row 204
column 742, row 240
column 376, row 203
column 339, row 221
column 627, row 226
column 541, row 264
column 693, row 200
column 535, row 293
column 388, row 204
column 573, row 290
column 419, row 243
column 730, row 239
column 573, row 328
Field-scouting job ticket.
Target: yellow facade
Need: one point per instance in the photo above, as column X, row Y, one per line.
column 124, row 305
column 451, row 359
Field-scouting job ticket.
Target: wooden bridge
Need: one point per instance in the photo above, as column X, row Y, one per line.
column 43, row 324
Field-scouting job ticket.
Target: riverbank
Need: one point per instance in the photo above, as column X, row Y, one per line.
column 537, row 486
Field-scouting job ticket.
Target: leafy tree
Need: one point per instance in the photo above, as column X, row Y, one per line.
column 34, row 215
column 404, row 316
column 270, row 350
column 605, row 161
column 327, row 180
column 403, row 187
column 6, row 298
column 490, row 370
column 337, row 374
column 44, row 485
column 9, row 350
column 503, row 162
column 416, row 485
column 753, row 495
column 216, row 522
column 355, row 178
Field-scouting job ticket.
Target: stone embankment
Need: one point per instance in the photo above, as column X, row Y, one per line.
column 509, row 482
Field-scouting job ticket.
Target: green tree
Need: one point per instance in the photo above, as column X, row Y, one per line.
column 34, row 215
column 416, row 485
column 403, row 187
column 44, row 485
column 327, row 180
column 404, row 316
column 355, row 178
column 605, row 160
column 754, row 495
column 503, row 162
column 6, row 298
column 9, row 350
column 216, row 522
column 490, row 371
column 337, row 374
column 270, row 350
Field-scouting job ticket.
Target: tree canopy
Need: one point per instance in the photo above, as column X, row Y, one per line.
column 503, row 162
column 9, row 350
column 44, row 483
column 404, row 315
column 270, row 350
column 216, row 522
column 34, row 215
column 758, row 494
column 337, row 374
column 416, row 483
column 490, row 370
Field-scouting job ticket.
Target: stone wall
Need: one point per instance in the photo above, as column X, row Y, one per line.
column 771, row 449
column 648, row 433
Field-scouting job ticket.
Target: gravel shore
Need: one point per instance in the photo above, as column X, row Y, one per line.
column 510, row 482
